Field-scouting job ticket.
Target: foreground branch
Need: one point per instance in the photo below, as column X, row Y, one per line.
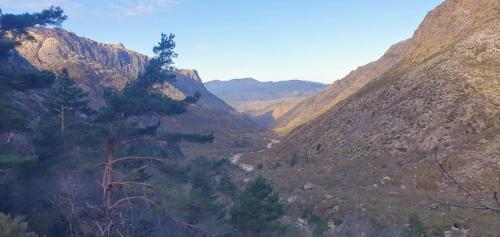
column 482, row 204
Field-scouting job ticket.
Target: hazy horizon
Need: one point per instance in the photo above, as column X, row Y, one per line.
column 225, row 40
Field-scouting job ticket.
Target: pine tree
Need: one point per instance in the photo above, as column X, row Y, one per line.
column 12, row 31
column 70, row 102
column 16, row 25
column 257, row 209
column 121, row 125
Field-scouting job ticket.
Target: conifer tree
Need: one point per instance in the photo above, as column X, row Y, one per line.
column 70, row 102
column 15, row 26
column 13, row 29
column 120, row 122
column 257, row 209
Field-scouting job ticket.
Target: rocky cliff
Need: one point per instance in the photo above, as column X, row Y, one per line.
column 97, row 66
column 372, row 156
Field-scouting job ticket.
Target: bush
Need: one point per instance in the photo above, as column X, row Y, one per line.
column 226, row 185
column 416, row 227
column 14, row 227
column 294, row 160
column 257, row 209
column 320, row 225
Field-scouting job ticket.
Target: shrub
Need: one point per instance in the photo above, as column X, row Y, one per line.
column 320, row 225
column 294, row 160
column 14, row 227
column 257, row 209
column 416, row 227
column 226, row 185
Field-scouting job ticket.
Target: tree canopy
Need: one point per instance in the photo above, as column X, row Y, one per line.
column 17, row 24
column 257, row 208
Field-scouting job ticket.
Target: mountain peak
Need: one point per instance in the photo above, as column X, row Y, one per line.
column 191, row 73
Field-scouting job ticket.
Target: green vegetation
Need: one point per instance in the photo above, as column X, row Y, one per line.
column 257, row 209
column 17, row 79
column 14, row 227
column 416, row 227
column 294, row 160
column 69, row 102
column 16, row 25
column 9, row 160
column 319, row 224
column 57, row 147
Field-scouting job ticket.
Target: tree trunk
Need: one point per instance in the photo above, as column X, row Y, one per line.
column 107, row 186
column 9, row 139
column 62, row 118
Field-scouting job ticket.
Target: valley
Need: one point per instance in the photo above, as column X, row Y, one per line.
column 119, row 143
column 264, row 102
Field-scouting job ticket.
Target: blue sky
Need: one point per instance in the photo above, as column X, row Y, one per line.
column 270, row 40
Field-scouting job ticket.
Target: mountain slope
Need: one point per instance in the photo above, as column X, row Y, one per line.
column 265, row 102
column 96, row 66
column 372, row 156
column 314, row 106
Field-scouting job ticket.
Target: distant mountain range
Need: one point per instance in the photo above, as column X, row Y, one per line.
column 265, row 102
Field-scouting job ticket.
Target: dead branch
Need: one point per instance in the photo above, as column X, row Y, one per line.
column 132, row 183
column 482, row 204
column 140, row 168
column 136, row 158
column 495, row 197
column 117, row 203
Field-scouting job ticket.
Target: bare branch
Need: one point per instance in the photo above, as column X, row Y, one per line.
column 137, row 158
column 482, row 203
column 132, row 183
column 140, row 168
column 93, row 207
column 451, row 178
column 463, row 205
column 495, row 197
column 100, row 183
column 117, row 203
column 99, row 227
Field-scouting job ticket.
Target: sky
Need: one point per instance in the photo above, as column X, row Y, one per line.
column 269, row 40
